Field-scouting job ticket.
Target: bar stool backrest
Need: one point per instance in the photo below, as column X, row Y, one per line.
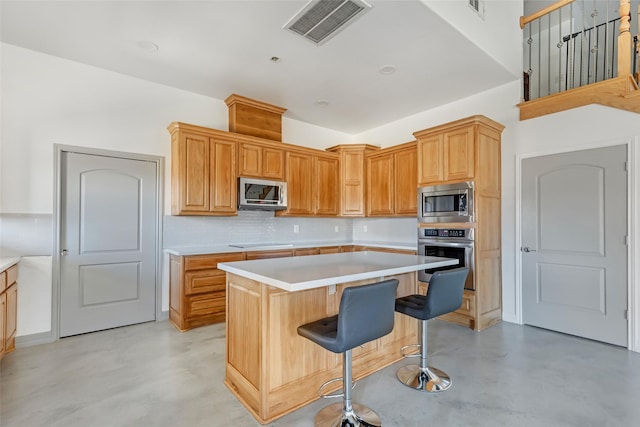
column 444, row 294
column 366, row 314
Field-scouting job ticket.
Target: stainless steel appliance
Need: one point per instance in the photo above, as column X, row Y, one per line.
column 446, row 203
column 451, row 243
column 261, row 194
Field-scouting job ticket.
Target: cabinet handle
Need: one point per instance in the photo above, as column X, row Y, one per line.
column 468, row 306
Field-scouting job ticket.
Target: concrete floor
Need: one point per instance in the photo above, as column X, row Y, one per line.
column 153, row 375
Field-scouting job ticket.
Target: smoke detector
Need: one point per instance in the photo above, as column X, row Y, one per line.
column 319, row 20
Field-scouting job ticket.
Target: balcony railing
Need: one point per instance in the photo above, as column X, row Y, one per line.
column 573, row 44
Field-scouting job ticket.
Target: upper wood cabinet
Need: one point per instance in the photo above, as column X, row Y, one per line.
column 352, row 177
column 203, row 172
column 312, row 184
column 392, row 181
column 260, row 161
column 451, row 152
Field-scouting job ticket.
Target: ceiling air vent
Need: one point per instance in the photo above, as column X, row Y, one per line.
column 321, row 19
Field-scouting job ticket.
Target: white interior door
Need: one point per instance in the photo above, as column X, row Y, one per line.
column 574, row 228
column 108, row 235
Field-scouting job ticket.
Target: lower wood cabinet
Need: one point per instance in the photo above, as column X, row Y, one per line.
column 197, row 289
column 8, row 309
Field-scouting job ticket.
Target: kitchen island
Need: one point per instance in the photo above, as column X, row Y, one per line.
column 269, row 367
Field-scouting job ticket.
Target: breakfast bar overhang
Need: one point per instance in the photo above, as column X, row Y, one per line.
column 269, row 367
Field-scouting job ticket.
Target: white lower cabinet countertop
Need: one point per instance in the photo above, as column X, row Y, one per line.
column 314, row 271
column 242, row 247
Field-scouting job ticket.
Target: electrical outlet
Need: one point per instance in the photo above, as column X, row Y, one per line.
column 336, row 228
column 296, row 228
column 364, row 228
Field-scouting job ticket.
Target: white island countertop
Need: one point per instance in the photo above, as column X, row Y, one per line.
column 314, row 271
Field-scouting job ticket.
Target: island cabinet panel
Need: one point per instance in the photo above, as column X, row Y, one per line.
column 272, row 369
column 197, row 289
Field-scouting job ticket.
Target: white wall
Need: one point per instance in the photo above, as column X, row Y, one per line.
column 493, row 33
column 48, row 100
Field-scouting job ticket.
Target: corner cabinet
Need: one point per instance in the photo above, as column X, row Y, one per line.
column 312, row 183
column 392, row 181
column 353, row 177
column 469, row 150
column 203, row 171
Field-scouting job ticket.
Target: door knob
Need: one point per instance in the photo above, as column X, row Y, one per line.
column 64, row 252
column 527, row 249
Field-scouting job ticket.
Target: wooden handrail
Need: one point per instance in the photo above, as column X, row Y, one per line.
column 524, row 20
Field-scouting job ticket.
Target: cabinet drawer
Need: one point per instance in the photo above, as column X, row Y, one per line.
column 12, row 275
column 196, row 262
column 204, row 305
column 200, row 281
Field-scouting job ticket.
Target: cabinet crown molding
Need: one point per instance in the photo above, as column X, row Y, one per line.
column 477, row 119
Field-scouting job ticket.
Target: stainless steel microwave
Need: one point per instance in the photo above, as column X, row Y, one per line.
column 446, row 203
column 261, row 194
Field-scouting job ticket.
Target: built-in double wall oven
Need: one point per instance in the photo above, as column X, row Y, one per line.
column 450, row 243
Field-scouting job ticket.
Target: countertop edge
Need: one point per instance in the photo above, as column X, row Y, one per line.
column 6, row 262
column 220, row 249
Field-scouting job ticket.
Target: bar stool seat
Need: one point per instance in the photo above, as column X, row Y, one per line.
column 366, row 314
column 444, row 295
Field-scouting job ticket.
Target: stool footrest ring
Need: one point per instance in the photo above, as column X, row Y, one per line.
column 405, row 347
column 337, row 393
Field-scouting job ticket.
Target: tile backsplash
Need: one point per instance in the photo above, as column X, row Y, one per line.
column 265, row 227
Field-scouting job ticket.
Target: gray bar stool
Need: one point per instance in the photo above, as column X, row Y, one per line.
column 366, row 313
column 444, row 295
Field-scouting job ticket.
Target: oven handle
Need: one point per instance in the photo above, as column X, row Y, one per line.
column 448, row 244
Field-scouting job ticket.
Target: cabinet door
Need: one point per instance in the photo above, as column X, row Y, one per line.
column 299, row 184
column 3, row 313
column 223, row 185
column 272, row 163
column 11, row 317
column 250, row 160
column 380, row 184
column 430, row 160
column 192, row 174
column 458, row 155
column 406, row 182
column 352, row 183
column 326, row 185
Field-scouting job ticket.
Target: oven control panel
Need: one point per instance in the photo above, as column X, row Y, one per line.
column 444, row 232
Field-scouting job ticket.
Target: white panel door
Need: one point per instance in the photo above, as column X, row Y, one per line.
column 574, row 259
column 108, row 235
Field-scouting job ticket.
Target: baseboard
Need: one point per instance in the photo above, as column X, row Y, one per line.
column 164, row 315
column 34, row 339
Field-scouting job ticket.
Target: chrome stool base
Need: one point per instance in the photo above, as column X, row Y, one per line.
column 334, row 416
column 430, row 380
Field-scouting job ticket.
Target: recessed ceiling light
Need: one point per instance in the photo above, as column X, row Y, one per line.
column 387, row 69
column 275, row 59
column 147, row 45
column 322, row 103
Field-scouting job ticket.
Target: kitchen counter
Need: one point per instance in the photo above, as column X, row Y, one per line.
column 234, row 247
column 308, row 272
column 269, row 367
column 6, row 262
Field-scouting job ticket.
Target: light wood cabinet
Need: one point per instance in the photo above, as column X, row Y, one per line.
column 469, row 149
column 260, row 161
column 352, row 181
column 312, row 184
column 8, row 309
column 392, row 181
column 203, row 171
column 268, row 254
column 197, row 289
